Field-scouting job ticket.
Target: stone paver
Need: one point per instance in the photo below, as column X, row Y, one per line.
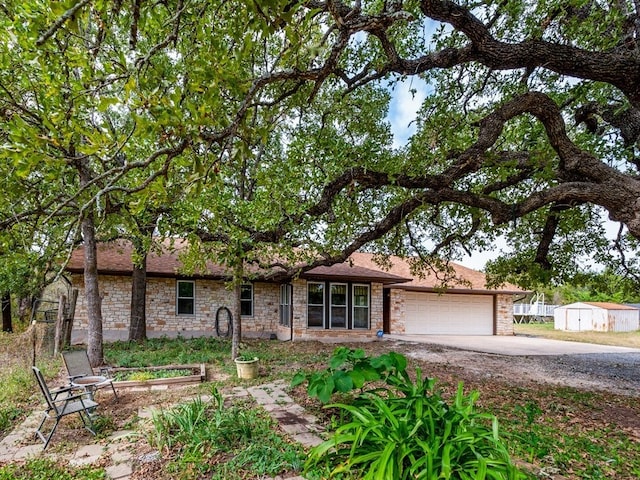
column 87, row 455
column 292, row 418
column 119, row 472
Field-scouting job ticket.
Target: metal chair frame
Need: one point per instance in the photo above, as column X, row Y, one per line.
column 77, row 364
column 59, row 408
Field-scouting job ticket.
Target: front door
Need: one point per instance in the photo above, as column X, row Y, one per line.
column 285, row 311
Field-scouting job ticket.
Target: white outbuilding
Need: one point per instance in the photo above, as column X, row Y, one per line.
column 596, row 316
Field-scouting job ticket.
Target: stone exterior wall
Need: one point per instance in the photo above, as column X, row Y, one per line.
column 397, row 311
column 504, row 315
column 210, row 295
column 162, row 318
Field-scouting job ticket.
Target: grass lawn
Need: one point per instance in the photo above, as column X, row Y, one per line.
column 546, row 330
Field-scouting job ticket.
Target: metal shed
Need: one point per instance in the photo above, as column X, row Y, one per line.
column 596, row 316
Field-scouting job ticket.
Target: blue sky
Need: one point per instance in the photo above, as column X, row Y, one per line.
column 404, row 108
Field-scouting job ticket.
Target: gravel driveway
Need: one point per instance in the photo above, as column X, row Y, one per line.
column 617, row 372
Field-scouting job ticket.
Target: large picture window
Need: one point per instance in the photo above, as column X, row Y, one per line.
column 246, row 300
column 315, row 304
column 185, row 297
column 338, row 305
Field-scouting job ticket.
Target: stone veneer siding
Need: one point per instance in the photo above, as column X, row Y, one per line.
column 115, row 292
column 503, row 313
column 210, row 295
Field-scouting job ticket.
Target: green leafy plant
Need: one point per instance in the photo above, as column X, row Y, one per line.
column 391, row 435
column 405, row 430
column 246, row 357
column 348, row 370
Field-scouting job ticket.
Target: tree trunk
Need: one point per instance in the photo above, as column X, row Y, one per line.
column 138, row 320
column 237, row 324
column 7, row 325
column 24, row 309
column 92, row 292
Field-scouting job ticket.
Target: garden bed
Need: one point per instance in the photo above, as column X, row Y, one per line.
column 171, row 375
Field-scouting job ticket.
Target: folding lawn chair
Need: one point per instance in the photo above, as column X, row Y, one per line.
column 78, row 367
column 60, row 407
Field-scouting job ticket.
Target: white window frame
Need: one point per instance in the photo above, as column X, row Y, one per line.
column 245, row 300
column 346, row 306
column 354, row 306
column 323, row 305
column 285, row 305
column 178, row 297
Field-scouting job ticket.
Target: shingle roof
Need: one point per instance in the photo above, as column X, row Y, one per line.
column 463, row 278
column 114, row 258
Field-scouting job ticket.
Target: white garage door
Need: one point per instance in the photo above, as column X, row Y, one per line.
column 433, row 314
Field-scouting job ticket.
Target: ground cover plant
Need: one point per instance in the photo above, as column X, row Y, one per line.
column 47, row 469
column 142, row 375
column 166, row 351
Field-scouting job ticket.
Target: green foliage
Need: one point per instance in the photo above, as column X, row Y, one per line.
column 410, row 431
column 349, row 369
column 246, row 357
column 165, row 351
column 46, row 469
column 142, row 375
column 202, row 431
column 606, row 286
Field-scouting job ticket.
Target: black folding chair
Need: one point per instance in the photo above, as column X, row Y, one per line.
column 77, row 364
column 60, row 407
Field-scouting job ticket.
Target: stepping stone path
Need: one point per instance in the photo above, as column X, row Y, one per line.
column 293, row 419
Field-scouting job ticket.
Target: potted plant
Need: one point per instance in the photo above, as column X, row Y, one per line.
column 247, row 366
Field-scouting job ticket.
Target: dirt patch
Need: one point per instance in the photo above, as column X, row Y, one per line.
column 501, row 379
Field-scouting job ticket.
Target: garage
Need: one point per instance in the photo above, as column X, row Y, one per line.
column 448, row 314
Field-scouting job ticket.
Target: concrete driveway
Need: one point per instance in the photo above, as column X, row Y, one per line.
column 512, row 345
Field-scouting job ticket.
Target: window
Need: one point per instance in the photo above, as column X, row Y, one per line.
column 338, row 305
column 186, row 297
column 246, row 300
column 360, row 306
column 315, row 304
column 285, row 305
column 348, row 305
